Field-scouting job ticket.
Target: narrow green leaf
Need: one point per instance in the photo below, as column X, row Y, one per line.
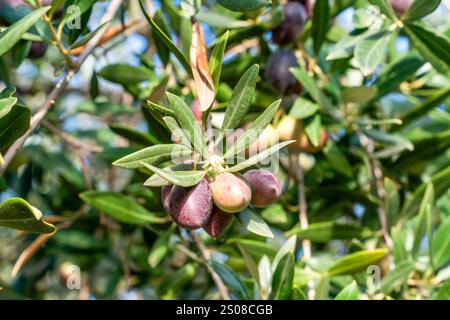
column 441, row 244
column 255, row 128
column 16, row 213
column 10, row 36
column 187, row 122
column 370, row 52
column 312, row 130
column 180, row 178
column 166, row 40
column 423, row 223
column 231, row 280
column 385, row 8
column 303, row 108
column 329, row 230
column 320, row 23
column 259, row 157
column 124, row 74
column 216, row 57
column 356, row 262
column 178, row 134
column 433, row 46
column 436, row 99
column 420, row 8
column 241, row 99
column 311, row 87
column 350, row 292
column 152, row 155
column 160, row 248
column 175, row 281
column 287, row 247
column 337, row 159
column 397, row 277
column 244, row 6
column 138, row 137
column 120, row 207
column 359, row 94
column 283, row 278
column 6, row 105
column 254, row 223
column 441, row 184
column 14, row 124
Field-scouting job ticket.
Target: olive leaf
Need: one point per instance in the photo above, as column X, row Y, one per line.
column 152, row 155
column 256, row 126
column 241, row 99
column 10, row 36
column 120, row 207
column 180, row 178
column 254, row 223
column 18, row 214
column 187, row 122
column 356, row 262
column 247, row 5
column 258, row 157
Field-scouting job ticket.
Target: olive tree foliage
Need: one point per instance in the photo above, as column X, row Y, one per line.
column 98, row 96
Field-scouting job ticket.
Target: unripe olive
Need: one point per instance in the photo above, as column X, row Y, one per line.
column 196, row 108
column 218, row 223
column 294, row 18
column 290, row 128
column 265, row 140
column 266, row 188
column 277, row 70
column 191, row 207
column 230, row 192
column 400, row 6
column 165, row 193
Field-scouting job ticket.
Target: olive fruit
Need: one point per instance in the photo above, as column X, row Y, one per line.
column 266, row 188
column 218, row 223
column 191, row 207
column 294, row 19
column 265, row 140
column 277, row 70
column 37, row 50
column 400, row 6
column 165, row 193
column 230, row 192
column 290, row 128
column 307, row 4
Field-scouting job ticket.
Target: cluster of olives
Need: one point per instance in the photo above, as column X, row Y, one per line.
column 211, row 203
column 295, row 15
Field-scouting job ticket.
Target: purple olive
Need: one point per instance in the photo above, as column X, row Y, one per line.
column 191, row 207
column 218, row 223
column 277, row 70
column 165, row 193
column 266, row 188
column 307, row 4
column 37, row 50
column 294, row 18
column 400, row 6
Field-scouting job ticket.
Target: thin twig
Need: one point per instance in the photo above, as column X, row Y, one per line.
column 206, row 256
column 377, row 185
column 60, row 87
column 303, row 221
column 71, row 140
